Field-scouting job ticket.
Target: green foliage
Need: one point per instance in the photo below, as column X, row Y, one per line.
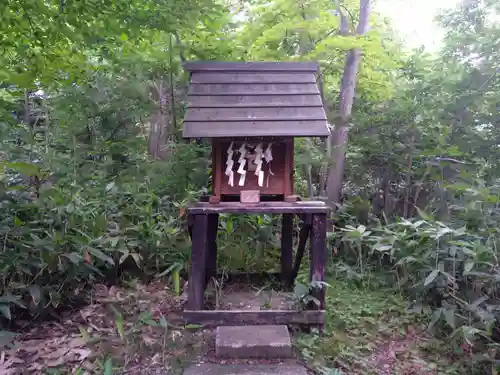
column 421, row 202
column 83, row 83
column 363, row 324
column 80, row 199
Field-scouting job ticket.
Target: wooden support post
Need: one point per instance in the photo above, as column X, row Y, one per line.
column 211, row 262
column 190, row 221
column 196, row 288
column 305, row 230
column 287, row 248
column 216, row 172
column 318, row 256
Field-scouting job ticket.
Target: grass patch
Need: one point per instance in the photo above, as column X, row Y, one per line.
column 139, row 328
column 368, row 331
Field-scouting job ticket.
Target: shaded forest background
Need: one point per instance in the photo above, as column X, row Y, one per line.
column 95, row 174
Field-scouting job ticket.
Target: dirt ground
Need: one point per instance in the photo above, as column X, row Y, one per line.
column 138, row 329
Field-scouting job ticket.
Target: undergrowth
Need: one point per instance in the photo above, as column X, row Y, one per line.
column 371, row 331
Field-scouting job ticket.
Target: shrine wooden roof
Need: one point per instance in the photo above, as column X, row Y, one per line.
column 230, row 99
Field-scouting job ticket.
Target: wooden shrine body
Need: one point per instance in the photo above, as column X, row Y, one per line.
column 277, row 184
column 263, row 106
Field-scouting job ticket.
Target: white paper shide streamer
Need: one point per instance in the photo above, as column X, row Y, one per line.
column 268, row 156
column 258, row 161
column 229, row 165
column 242, row 160
column 244, row 157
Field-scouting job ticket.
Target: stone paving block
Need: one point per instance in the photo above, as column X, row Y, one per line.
column 215, row 369
column 265, row 341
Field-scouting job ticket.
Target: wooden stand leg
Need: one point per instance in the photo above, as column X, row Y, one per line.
column 211, row 262
column 190, row 221
column 287, row 248
column 196, row 288
column 318, row 256
column 303, row 236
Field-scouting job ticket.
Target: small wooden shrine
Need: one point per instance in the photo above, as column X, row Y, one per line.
column 252, row 112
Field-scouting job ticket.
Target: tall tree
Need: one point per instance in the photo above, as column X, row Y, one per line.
column 347, row 91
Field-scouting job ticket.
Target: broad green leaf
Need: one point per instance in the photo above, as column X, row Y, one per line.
column 137, row 258
column 424, row 215
column 229, row 225
column 174, row 266
column 5, row 311
column 380, row 247
column 108, row 366
column 468, row 265
column 431, row 277
column 74, row 258
column 163, row 322
column 100, row 255
column 36, row 294
column 436, row 315
column 7, row 338
column 120, row 326
column 9, row 298
column 124, row 257
column 300, row 289
column 449, row 315
column 176, row 281
column 28, row 169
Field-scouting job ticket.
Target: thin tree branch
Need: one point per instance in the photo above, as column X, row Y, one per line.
column 172, row 89
column 344, row 22
column 181, row 47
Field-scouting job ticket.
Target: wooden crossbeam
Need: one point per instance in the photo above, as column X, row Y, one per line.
column 212, row 318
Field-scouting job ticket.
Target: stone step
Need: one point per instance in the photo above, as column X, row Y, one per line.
column 272, row 341
column 215, row 369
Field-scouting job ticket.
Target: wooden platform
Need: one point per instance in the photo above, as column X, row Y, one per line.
column 301, row 207
column 204, row 221
column 216, row 318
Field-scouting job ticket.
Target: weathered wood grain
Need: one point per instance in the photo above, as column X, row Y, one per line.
column 255, row 114
column 318, row 255
column 211, row 258
column 253, row 88
column 254, row 99
column 298, row 128
column 304, row 232
column 248, row 101
column 305, row 207
column 258, row 66
column 286, row 257
column 196, row 286
column 252, row 77
column 213, row 318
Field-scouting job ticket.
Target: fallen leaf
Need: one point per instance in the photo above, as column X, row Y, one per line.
column 59, row 353
column 55, row 362
column 76, row 342
column 82, row 353
column 148, row 340
column 36, row 366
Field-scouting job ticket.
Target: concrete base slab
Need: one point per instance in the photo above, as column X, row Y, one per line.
column 214, row 369
column 253, row 342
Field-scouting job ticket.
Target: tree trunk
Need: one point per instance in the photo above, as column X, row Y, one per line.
column 158, row 125
column 347, row 90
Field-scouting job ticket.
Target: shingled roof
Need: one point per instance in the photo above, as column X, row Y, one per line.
column 228, row 99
